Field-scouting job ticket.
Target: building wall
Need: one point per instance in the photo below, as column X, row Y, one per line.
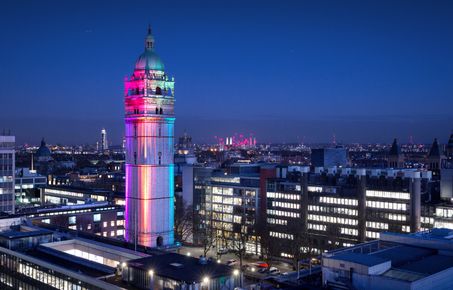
column 7, row 173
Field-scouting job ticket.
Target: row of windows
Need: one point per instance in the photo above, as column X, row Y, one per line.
column 336, row 200
column 427, row 220
column 406, row 229
column 274, row 221
column 372, row 235
column 317, row 227
column 377, row 225
column 283, row 195
column 386, row 205
column 283, row 213
column 388, row 194
column 397, row 217
column 285, row 204
column 349, row 231
column 332, row 219
column 281, row 235
column 444, row 212
column 337, row 210
column 63, row 192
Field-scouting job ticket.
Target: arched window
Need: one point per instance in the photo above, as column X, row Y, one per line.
column 137, row 91
column 158, row 91
column 157, row 110
column 161, row 111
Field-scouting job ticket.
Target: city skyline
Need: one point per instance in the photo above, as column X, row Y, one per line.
column 350, row 70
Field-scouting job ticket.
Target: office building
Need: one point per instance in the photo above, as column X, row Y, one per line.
column 329, row 157
column 7, row 173
column 149, row 108
column 227, row 206
column 342, row 207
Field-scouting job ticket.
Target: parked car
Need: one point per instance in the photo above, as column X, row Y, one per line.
column 274, row 271
column 262, row 270
column 231, row 262
column 261, row 265
column 222, row 252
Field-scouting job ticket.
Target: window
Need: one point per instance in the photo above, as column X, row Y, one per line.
column 72, row 220
column 97, row 217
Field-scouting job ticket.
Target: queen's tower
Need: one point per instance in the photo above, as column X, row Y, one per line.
column 149, row 103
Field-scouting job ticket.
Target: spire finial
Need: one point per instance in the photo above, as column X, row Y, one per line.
column 149, row 39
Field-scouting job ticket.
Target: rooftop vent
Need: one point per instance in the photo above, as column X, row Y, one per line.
column 177, row 265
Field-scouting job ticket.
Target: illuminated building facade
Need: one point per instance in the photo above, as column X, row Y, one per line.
column 227, row 206
column 342, row 207
column 149, row 108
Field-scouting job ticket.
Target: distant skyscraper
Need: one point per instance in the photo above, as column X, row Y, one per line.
column 149, row 106
column 7, row 172
column 104, row 143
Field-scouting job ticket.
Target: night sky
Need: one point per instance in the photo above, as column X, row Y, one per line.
column 286, row 71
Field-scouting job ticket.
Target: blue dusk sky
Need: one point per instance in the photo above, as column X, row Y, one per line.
column 285, row 71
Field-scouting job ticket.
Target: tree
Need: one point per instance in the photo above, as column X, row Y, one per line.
column 301, row 246
column 269, row 248
column 184, row 222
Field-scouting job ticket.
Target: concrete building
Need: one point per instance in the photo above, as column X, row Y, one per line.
column 27, row 185
column 174, row 271
column 329, row 157
column 7, row 174
column 98, row 218
column 342, row 207
column 422, row 260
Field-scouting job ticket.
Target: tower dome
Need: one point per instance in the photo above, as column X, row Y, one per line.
column 149, row 60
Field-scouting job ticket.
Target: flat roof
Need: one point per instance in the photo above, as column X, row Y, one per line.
column 17, row 234
column 181, row 267
column 362, row 259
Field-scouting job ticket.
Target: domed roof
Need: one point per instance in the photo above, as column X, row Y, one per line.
column 43, row 150
column 149, row 60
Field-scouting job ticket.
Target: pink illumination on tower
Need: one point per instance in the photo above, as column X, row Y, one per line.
column 149, row 108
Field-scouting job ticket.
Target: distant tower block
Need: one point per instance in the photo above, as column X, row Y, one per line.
column 104, row 143
column 149, row 104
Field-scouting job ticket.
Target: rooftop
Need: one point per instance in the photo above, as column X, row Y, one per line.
column 180, row 267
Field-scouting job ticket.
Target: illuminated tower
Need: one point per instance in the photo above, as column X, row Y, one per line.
column 104, row 144
column 149, row 104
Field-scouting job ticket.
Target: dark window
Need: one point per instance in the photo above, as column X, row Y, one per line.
column 158, row 91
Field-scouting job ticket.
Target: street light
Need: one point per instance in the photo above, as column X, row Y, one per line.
column 151, row 272
column 206, row 280
column 188, row 254
column 124, row 265
column 236, row 272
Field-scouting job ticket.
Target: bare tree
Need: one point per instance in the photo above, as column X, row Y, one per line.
column 301, row 246
column 184, row 223
column 269, row 248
